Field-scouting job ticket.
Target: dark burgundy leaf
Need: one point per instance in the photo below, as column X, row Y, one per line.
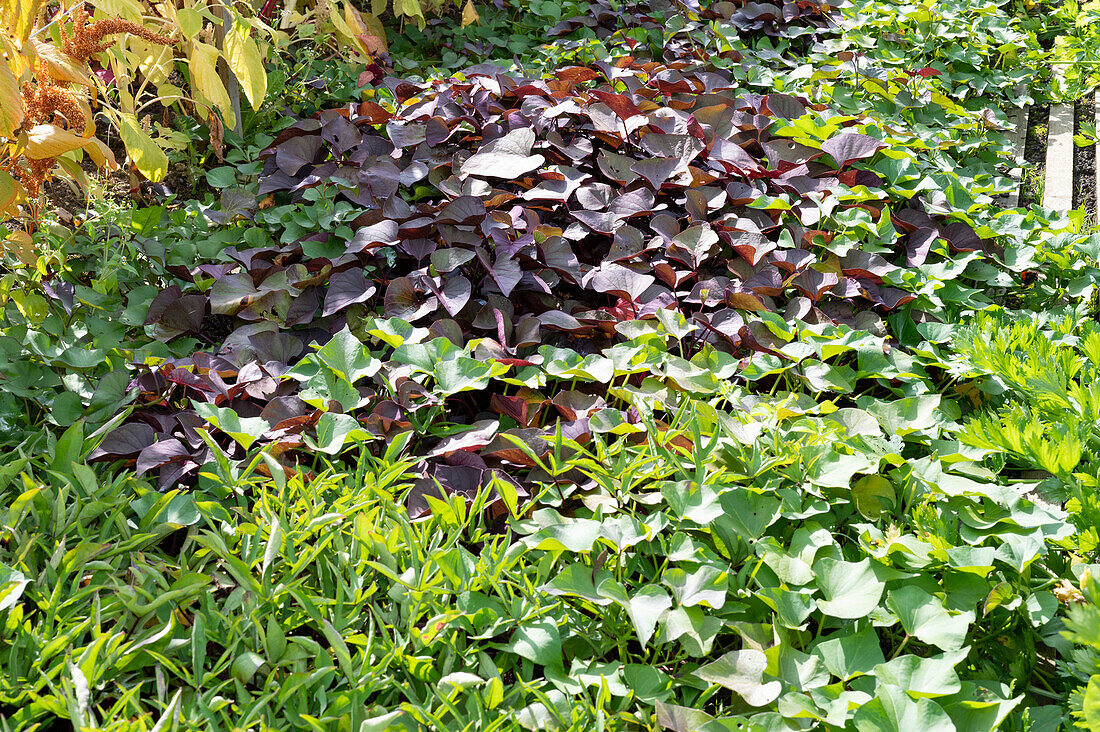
column 814, row 284
column 406, row 135
column 403, row 301
column 733, row 157
column 506, row 273
column 297, row 152
column 752, row 247
column 656, row 170
column 454, row 294
column 869, row 266
column 383, row 233
column 347, row 288
column 782, row 105
column 341, row 134
column 888, row 297
column 618, row 280
column 159, row 453
column 918, row 245
column 848, row 147
column 62, row 291
column 506, row 157
column 620, row 104
column 962, row 237
column 124, row 442
column 464, row 210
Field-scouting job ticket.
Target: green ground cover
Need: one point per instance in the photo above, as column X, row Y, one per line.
column 674, row 368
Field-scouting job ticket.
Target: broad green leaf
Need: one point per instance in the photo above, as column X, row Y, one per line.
column 873, row 495
column 850, row 655
column 791, row 607
column 904, row 416
column 334, row 430
column 465, row 374
column 348, row 357
column 704, row 586
column 246, row 665
column 579, row 580
column 692, row 627
column 743, row 672
column 180, row 511
column 66, row 408
column 1041, row 607
column 645, row 609
column 923, row 615
column 539, row 642
column 982, row 708
column 689, row 500
column 680, row 719
column 748, row 512
column 647, row 682
column 224, row 176
column 892, row 710
column 574, row 535
column 189, row 21
column 245, row 430
column 835, row 469
column 851, row 589
column 922, row 676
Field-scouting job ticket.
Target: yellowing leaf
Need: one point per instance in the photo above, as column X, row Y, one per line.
column 18, row 63
column 169, row 139
column 100, row 154
column 190, row 22
column 51, row 141
column 89, row 119
column 156, row 62
column 243, row 57
column 61, row 65
column 375, row 28
column 20, row 20
column 343, row 30
column 377, row 7
column 21, row 244
column 126, row 9
column 11, row 102
column 205, row 80
column 9, row 191
column 411, row 9
column 469, row 14
column 370, row 37
column 169, row 93
column 145, row 154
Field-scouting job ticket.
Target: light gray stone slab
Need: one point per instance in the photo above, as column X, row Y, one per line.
column 1058, row 183
column 1018, row 138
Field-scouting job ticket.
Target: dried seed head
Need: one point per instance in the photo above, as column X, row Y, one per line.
column 87, row 39
column 47, row 101
column 35, row 175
